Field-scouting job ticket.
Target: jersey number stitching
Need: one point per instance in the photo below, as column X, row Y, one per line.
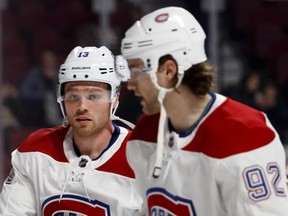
column 257, row 185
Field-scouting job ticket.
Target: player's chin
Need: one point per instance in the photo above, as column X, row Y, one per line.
column 80, row 125
column 150, row 110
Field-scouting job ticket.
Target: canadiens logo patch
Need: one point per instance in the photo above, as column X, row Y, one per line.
column 161, row 202
column 10, row 177
column 162, row 17
column 71, row 204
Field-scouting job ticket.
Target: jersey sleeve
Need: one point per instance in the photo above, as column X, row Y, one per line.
column 254, row 182
column 17, row 196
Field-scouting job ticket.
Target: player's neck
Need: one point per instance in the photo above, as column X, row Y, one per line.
column 94, row 145
column 184, row 108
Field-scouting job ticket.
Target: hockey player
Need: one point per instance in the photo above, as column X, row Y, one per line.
column 196, row 152
column 80, row 169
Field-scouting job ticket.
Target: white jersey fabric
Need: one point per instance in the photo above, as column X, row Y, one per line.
column 49, row 177
column 231, row 163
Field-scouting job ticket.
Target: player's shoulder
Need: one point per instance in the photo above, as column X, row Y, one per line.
column 239, row 115
column 112, row 165
column 232, row 128
column 234, row 108
column 122, row 130
column 146, row 128
column 46, row 140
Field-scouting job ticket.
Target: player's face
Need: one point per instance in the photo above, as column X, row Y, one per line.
column 143, row 87
column 87, row 106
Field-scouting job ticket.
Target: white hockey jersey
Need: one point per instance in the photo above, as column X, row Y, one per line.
column 49, row 177
column 231, row 164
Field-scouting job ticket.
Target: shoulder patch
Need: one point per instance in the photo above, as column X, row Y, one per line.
column 10, row 177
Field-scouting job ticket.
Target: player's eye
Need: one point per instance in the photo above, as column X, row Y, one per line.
column 94, row 97
column 72, row 97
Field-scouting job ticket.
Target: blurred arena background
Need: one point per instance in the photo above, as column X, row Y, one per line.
column 246, row 39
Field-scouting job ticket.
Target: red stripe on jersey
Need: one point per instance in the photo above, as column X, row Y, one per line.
column 231, row 129
column 48, row 141
column 118, row 163
column 146, row 128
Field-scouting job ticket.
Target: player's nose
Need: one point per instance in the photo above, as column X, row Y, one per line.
column 82, row 103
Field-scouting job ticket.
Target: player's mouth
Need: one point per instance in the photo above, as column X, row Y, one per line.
column 83, row 119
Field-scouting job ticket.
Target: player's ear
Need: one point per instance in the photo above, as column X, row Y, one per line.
column 170, row 69
column 168, row 74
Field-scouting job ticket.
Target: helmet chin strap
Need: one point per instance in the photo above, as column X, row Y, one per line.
column 65, row 122
column 160, row 135
column 163, row 116
column 114, row 117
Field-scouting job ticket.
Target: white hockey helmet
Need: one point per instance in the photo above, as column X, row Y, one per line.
column 92, row 64
column 170, row 30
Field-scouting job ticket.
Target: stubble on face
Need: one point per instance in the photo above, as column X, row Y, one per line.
column 93, row 127
column 150, row 107
column 149, row 93
column 91, row 118
column 143, row 87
